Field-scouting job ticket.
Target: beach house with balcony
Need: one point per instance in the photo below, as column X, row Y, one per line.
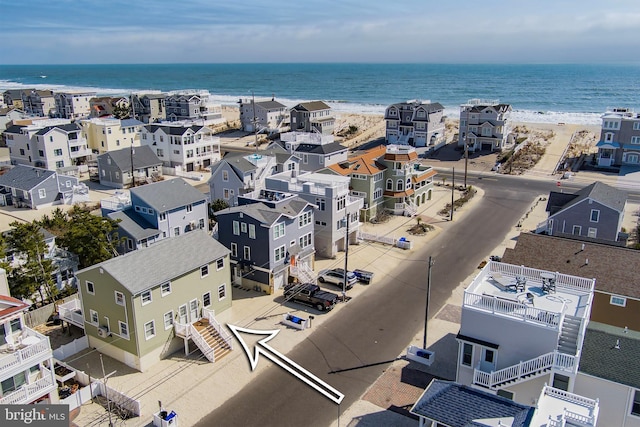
column 13, row 97
column 266, row 115
column 416, row 123
column 73, row 105
column 183, row 148
column 102, row 106
column 484, row 125
column 335, row 205
column 50, row 143
column 619, row 143
column 267, row 233
column 193, row 106
column 34, row 188
column 315, row 150
column 129, row 167
column 155, row 212
column 105, row 134
column 240, row 173
column 142, row 306
column 26, row 358
column 523, row 328
column 148, row 107
column 594, row 212
column 314, row 116
column 41, row 103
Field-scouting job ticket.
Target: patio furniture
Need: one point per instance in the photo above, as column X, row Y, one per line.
column 13, row 342
column 521, row 282
column 548, row 282
column 503, row 283
column 30, row 340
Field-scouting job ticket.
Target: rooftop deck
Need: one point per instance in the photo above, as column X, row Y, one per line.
column 528, row 292
column 558, row 408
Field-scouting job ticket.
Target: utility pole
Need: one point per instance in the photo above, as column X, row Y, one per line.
column 133, row 107
column 346, row 261
column 466, row 160
column 106, row 390
column 426, row 310
column 453, row 189
column 255, row 119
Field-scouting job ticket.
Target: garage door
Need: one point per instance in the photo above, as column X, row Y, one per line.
column 278, row 281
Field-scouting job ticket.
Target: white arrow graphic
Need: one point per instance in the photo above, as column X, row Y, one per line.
column 279, row 359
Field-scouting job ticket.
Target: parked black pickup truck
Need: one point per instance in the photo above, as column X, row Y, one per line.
column 310, row 294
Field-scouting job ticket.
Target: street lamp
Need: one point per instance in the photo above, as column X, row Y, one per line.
column 466, row 160
column 426, row 311
column 346, row 259
column 255, row 119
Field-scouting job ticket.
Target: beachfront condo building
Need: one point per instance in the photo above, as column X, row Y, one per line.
column 49, row 143
column 267, row 116
column 149, row 107
column 314, row 116
column 73, row 105
column 182, row 148
column 389, row 179
column 484, row 125
column 619, row 143
column 105, row 134
column 194, row 107
column 335, row 205
column 415, row 123
column 39, row 103
column 26, row 358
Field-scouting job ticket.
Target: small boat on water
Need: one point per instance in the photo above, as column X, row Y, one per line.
column 43, row 77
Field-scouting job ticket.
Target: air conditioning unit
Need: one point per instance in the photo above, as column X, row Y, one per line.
column 103, row 332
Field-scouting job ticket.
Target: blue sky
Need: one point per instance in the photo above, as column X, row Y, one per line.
column 463, row 31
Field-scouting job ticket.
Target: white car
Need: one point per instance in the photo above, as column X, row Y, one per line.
column 336, row 277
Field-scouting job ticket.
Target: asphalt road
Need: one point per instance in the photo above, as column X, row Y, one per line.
column 352, row 348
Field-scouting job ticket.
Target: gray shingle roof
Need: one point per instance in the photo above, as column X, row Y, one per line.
column 602, row 193
column 130, row 122
column 330, row 148
column 311, row 106
column 270, row 105
column 134, row 224
column 69, row 127
column 170, row 258
column 266, row 214
column 14, row 129
column 173, row 130
column 601, row 359
column 24, row 177
column 609, row 265
column 456, row 405
column 169, row 194
column 143, row 157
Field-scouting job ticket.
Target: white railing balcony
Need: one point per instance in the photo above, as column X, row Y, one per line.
column 30, row 392
column 30, row 347
column 115, row 204
column 181, row 329
column 81, row 152
column 71, row 312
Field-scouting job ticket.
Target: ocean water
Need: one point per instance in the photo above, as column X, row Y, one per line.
column 549, row 93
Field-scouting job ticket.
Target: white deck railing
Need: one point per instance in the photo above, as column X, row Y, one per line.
column 202, row 344
column 562, row 280
column 30, row 392
column 224, row 334
column 558, row 361
column 71, row 312
column 27, row 355
column 513, row 309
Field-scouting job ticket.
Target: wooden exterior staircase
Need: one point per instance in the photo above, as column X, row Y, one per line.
column 210, row 341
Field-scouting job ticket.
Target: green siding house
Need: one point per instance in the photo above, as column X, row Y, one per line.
column 141, row 307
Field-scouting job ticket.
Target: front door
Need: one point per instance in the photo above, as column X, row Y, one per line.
column 488, row 360
column 182, row 314
column 193, row 310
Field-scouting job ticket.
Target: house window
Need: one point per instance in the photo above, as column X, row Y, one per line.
column 400, row 185
column 165, row 288
column 176, row 231
column 592, row 232
column 390, row 185
column 304, row 219
column 635, row 406
column 619, row 301
column 42, row 193
column 234, row 249
column 489, row 355
column 146, row 297
column 305, row 240
column 13, row 383
column 236, row 228
column 168, row 320
column 204, row 271
column 247, row 252
column 278, row 230
column 206, row 299
column 220, row 264
column 467, row 354
column 595, row 215
column 222, row 292
column 636, row 125
column 576, row 230
column 279, row 253
column 243, row 227
column 320, row 203
column 119, row 298
column 561, row 382
column 635, row 139
column 505, row 393
column 189, row 208
column 377, row 193
column 225, row 175
column 149, row 330
column 124, row 329
column 252, row 231
column 91, row 288
column 93, row 316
